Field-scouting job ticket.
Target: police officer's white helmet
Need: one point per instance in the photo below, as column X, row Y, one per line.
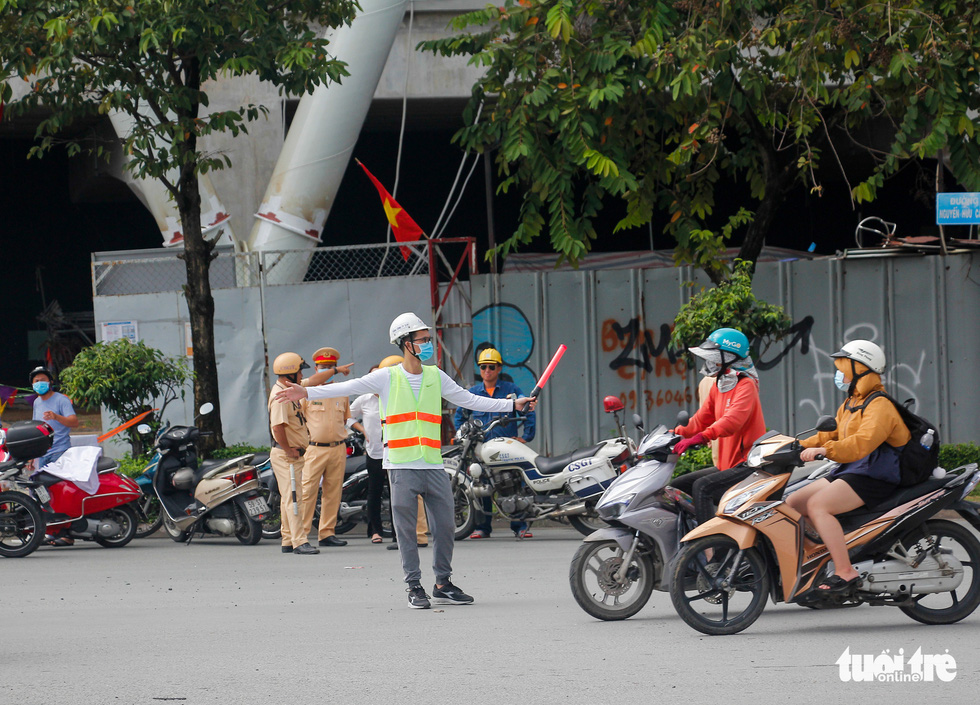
column 865, row 352
column 403, row 325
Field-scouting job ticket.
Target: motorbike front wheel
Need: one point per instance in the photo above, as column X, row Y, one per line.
column 21, row 525
column 463, row 512
column 948, row 539
column 596, row 588
column 150, row 515
column 709, row 595
column 125, row 516
column 172, row 531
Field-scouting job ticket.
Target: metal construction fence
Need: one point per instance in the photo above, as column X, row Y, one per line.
column 617, row 324
column 158, row 271
column 270, row 302
column 924, row 311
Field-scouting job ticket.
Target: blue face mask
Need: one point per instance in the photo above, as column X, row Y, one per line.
column 839, row 381
column 42, row 388
column 425, row 351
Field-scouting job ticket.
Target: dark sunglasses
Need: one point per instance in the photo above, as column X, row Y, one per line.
column 488, row 367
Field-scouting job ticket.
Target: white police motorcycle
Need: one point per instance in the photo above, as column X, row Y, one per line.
column 528, row 487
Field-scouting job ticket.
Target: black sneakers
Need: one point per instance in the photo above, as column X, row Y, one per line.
column 449, row 594
column 417, row 599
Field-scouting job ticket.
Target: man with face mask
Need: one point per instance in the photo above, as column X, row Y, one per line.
column 732, row 415
column 410, row 400
column 55, row 408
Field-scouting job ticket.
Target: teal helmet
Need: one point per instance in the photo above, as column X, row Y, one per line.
column 730, row 340
column 722, row 348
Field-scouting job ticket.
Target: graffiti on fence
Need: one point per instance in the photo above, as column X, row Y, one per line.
column 506, row 328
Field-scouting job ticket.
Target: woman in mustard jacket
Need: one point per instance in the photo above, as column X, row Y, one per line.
column 867, row 442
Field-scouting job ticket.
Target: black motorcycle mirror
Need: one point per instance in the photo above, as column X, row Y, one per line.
column 206, row 408
column 683, row 417
column 143, row 429
column 825, row 424
column 638, row 421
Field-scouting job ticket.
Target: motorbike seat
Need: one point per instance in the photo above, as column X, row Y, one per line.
column 557, row 463
column 862, row 515
column 46, row 479
column 105, row 465
column 259, row 459
column 205, row 467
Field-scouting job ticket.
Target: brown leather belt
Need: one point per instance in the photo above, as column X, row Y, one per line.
column 331, row 444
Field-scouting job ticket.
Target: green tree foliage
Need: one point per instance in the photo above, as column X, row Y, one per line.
column 151, row 60
column 731, row 304
column 653, row 106
column 126, row 379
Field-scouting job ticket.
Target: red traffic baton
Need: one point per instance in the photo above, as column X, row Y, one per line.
column 548, row 370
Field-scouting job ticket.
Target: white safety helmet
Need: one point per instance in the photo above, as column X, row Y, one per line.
column 403, row 325
column 865, row 352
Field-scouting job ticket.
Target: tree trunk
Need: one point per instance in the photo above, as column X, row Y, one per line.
column 200, row 303
column 755, row 236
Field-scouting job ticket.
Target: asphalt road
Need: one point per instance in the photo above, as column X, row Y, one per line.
column 217, row 622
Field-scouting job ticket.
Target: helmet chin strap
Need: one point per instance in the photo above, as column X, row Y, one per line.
column 855, row 376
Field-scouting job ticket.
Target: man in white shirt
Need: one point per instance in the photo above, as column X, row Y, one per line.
column 411, row 448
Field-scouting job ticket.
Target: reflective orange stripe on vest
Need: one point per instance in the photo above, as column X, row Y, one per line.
column 412, row 416
column 408, row 442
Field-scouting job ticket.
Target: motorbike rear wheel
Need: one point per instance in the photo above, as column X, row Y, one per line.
column 588, row 523
column 150, row 515
column 125, row 516
column 952, row 606
column 21, row 525
column 272, row 524
column 595, row 587
column 247, row 530
column 172, row 531
column 708, row 596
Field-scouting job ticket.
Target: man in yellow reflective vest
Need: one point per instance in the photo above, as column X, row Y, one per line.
column 410, row 398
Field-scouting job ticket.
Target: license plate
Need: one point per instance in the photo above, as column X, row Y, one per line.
column 256, row 506
column 42, row 494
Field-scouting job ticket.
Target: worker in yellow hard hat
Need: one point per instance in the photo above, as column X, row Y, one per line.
column 490, row 385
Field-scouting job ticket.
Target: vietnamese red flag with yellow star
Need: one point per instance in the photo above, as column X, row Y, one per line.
column 402, row 225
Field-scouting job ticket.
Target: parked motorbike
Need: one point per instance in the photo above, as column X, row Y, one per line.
column 214, row 497
column 758, row 547
column 70, row 512
column 148, row 506
column 22, row 522
column 529, row 487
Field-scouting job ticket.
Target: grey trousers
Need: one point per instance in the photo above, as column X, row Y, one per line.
column 436, row 491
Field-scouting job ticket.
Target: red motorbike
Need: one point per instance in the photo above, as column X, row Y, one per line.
column 106, row 517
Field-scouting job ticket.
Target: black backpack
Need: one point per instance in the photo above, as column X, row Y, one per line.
column 915, row 462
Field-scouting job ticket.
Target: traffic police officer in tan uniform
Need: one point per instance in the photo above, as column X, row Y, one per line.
column 288, row 424
column 327, row 455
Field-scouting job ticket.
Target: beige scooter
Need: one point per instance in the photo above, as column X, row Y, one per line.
column 216, row 497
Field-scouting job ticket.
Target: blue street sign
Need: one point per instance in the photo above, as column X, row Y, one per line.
column 957, row 208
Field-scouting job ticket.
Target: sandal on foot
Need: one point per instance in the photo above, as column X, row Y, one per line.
column 376, row 539
column 835, row 585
